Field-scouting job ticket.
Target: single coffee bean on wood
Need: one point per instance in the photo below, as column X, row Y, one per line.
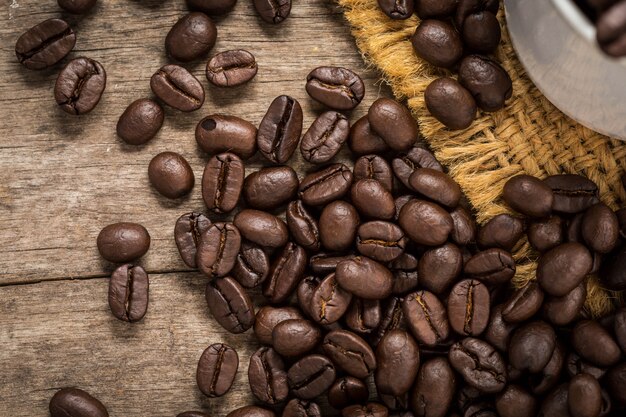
column 273, row 11
column 128, row 293
column 450, row 103
column 45, row 44
column 219, row 133
column 222, row 182
column 336, row 87
column 267, row 376
column 177, row 88
column 74, row 402
column 216, row 370
column 171, row 175
column 80, row 85
column 212, row 7
column 140, row 122
column 231, row 68
column 437, row 42
column 270, row 187
column 394, row 123
column 77, row 6
column 230, row 304
column 280, row 129
column 189, row 227
column 311, row 376
column 192, row 37
column 217, row 252
column 252, row 265
column 123, row 242
column 325, row 137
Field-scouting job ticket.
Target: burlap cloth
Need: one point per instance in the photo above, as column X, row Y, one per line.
column 528, row 136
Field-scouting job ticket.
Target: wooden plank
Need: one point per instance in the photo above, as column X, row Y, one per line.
column 62, row 178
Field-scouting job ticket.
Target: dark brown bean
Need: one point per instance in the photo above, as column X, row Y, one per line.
column 464, row 231
column 469, row 307
column 285, row 273
column 251, row 411
column 440, row 267
column 349, row 352
column 77, row 6
column 572, row 193
column 561, row 311
column 303, row 226
column 295, row 337
column 523, row 303
column 365, row 192
column 363, row 140
column 417, row 157
column 222, row 182
column 480, row 365
column 231, row 68
column 398, row 360
column 171, row 175
column 584, row 396
column 594, row 343
column 434, row 388
column 600, row 228
column 178, row 88
column 380, row 240
column 502, row 231
column 230, row 304
column 301, row 408
column 123, row 242
column 252, row 265
column 437, row 42
column 140, row 122
column 364, row 315
column 324, row 186
column 268, row 317
column 367, row 410
column 498, row 332
column 262, row 228
column 397, row 9
column 405, row 274
column 189, row 227
column 45, row 44
column 325, row 263
column 515, row 401
column 217, row 369
column 531, row 346
column 311, row 376
column 563, row 268
column 426, row 317
column 336, row 87
column 492, row 266
column 74, row 402
column 346, row 391
column 394, row 123
column 192, row 37
column 481, row 32
column 324, row 138
column 273, row 11
column 212, row 7
column 436, row 185
column 486, row 80
column 338, row 226
column 270, row 187
column 280, row 129
column 546, row 234
column 218, row 248
column 267, row 376
column 80, row 85
column 365, row 278
column 450, row 103
column 528, row 195
column 427, row 9
column 219, row 133
column 374, row 167
column 329, row 301
column 128, row 293
column 425, row 223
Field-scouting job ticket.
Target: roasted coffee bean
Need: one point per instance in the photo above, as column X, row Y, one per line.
column 189, row 227
column 467, row 7
column 324, row 186
column 45, row 44
column 140, row 122
column 563, row 268
column 268, row 317
column 231, row 68
column 426, row 317
column 329, row 301
column 285, row 273
column 486, row 80
column 363, row 315
column 301, row 408
column 600, row 228
column 346, row 391
column 397, row 9
column 572, row 193
column 230, row 304
column 616, row 383
column 427, row 9
column 222, row 182
column 192, row 37
column 303, row 226
column 481, row 32
column 468, row 307
column 74, row 402
column 218, row 249
column 365, row 278
column 574, row 232
column 338, row 226
column 440, row 267
column 267, row 376
column 405, row 274
column 363, row 140
column 528, row 195
column 367, row 410
column 311, row 376
column 531, row 346
column 376, row 168
column 436, row 186
column 401, row 202
column 280, row 129
column 123, row 242
column 434, row 388
column 492, row 266
column 397, row 363
column 396, row 403
column 394, row 123
column 335, row 87
column 177, row 88
column 584, row 396
column 262, row 228
column 381, row 241
column 350, row 352
column 273, row 11
column 547, row 379
column 425, row 223
column 212, row 7
column 80, row 85
column 270, row 187
column 251, row 411
column 324, row 138
column 556, row 403
column 295, row 337
column 365, row 192
column 480, row 365
column 619, row 327
column 193, row 414
column 417, row 157
column 561, row 311
column 128, row 293
column 610, row 29
column 515, row 401
column 219, row 133
column 523, row 303
column 614, row 270
column 324, row 263
column 577, row 365
column 76, row 6
column 304, row 293
column 252, row 265
column 595, row 344
column 450, row 103
column 464, row 230
column 438, row 43
column 217, row 369
column 498, row 332
column 171, row 175
column 546, row 234
column 392, row 318
column 502, row 231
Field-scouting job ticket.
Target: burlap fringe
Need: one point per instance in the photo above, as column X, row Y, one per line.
column 529, row 136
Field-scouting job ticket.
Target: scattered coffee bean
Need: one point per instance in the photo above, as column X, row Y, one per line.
column 171, row 175
column 192, row 37
column 364, row 192
column 280, row 129
column 502, row 231
column 398, row 360
column 262, row 228
column 364, row 315
column 381, row 241
column 301, row 408
column 397, row 9
column 374, row 167
column 481, row 32
column 523, row 303
column 464, row 230
column 394, row 123
column 221, row 133
column 528, row 195
column 367, row 410
column 436, row 185
column 295, row 337
column 600, row 228
column 349, row 352
column 363, row 140
column 251, row 411
column 123, row 242
column 329, row 302
column 231, row 68
column 531, row 346
column 324, row 138
column 267, row 376
column 572, row 193
column 338, row 225
column 486, row 80
column 189, row 228
column 140, row 122
column 480, row 365
column 252, row 265
column 324, row 186
column 427, row 9
column 177, row 88
column 230, row 304
column 303, row 226
column 128, row 293
column 426, row 317
column 80, row 85
column 365, row 278
column 515, row 401
column 492, row 266
column 546, row 234
column 584, row 396
column 434, row 389
column 563, row 268
column 222, row 182
column 498, row 332
column 595, row 344
column 425, row 223
column 468, row 307
column 268, row 317
column 561, row 311
column 285, row 273
column 450, row 103
column 311, row 376
column 217, row 369
column 273, row 11
column 218, row 248
column 405, row 274
column 271, row 187
column 336, row 87
column 440, row 267
column 438, row 43
column 74, row 402
column 346, row 391
column 45, row 44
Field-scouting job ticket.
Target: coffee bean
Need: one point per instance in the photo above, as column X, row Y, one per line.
column 616, row 383
column 329, row 301
column 397, row 10
column 426, row 317
column 584, row 396
column 273, row 11
column 439, row 267
column 609, row 29
column 123, row 242
column 481, row 32
column 322, row 187
column 192, row 37
column 405, row 274
column 577, row 365
column 219, row 133
column 396, row 402
column 231, row 68
column 218, row 248
column 425, row 223
column 438, row 43
column 262, row 228
column 468, row 307
column 492, row 266
column 304, row 293
column 270, row 187
column 346, row 391
column 376, row 168
column 128, row 293
column 217, row 369
column 303, row 226
column 363, row 140
column 338, row 225
column 363, row 315
column 230, row 304
column 450, row 103
column 140, row 122
column 335, row 87
column 392, row 318
column 76, row 6
column 561, row 311
column 368, row 410
column 381, row 241
column 614, row 270
column 325, row 263
column 502, row 231
column 252, row 265
column 417, row 157
column 600, row 228
column 189, row 227
column 464, row 226
column 498, row 332
column 222, row 182
column 556, row 403
column 267, row 376
column 486, row 80
column 45, row 44
column 251, row 411
column 528, row 195
column 311, row 376
column 280, row 129
column 394, row 123
column 177, row 88
column 80, row 85
column 324, row 138
column 434, row 388
column 546, row 234
column 268, row 317
column 365, row 278
column 466, row 8
column 515, row 401
column 295, row 337
column 547, row 379
column 531, row 346
column 193, row 414
column 480, row 365
column 171, row 175
column 436, row 186
column 74, row 402
column 427, row 9
column 349, row 352
column 595, row 344
column 285, row 273
column 563, row 268
column 572, row 193
column 397, row 347
column 301, row 408
column 523, row 303
column 212, row 7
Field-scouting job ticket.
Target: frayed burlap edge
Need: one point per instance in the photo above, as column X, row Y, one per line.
column 529, row 136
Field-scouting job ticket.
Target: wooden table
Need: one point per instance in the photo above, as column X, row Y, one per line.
column 62, row 178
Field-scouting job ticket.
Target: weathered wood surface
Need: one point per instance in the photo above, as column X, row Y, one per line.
column 63, row 178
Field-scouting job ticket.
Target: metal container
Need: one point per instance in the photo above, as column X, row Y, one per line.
column 556, row 43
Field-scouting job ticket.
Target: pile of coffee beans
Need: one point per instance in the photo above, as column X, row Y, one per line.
column 461, row 36
column 609, row 17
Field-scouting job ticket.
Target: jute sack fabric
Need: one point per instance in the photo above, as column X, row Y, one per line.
column 528, row 136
